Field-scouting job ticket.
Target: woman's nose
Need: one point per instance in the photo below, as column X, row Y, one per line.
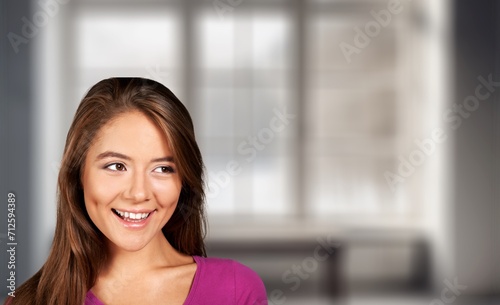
column 138, row 189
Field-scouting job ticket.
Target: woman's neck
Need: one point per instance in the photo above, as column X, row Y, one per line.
column 128, row 274
column 157, row 254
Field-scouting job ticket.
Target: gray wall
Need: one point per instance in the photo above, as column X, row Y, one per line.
column 476, row 214
column 15, row 141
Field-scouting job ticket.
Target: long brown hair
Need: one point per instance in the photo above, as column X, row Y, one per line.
column 78, row 250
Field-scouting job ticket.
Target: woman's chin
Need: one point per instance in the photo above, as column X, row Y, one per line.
column 129, row 246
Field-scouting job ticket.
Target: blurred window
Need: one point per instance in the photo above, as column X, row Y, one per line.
column 251, row 65
column 242, row 80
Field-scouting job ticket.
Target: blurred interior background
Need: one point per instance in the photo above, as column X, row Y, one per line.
column 351, row 157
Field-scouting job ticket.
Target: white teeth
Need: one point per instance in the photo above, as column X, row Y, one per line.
column 132, row 216
column 137, row 215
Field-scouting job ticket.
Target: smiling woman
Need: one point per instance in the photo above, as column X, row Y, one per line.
column 130, row 214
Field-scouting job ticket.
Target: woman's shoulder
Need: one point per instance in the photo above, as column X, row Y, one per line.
column 217, row 262
column 229, row 279
column 226, row 269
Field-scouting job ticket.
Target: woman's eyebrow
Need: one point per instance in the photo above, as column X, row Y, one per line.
column 164, row 159
column 112, row 154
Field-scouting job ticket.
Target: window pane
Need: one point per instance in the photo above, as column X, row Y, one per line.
column 127, row 43
column 148, row 42
column 248, row 53
column 353, row 115
column 271, row 182
column 271, row 41
column 216, row 39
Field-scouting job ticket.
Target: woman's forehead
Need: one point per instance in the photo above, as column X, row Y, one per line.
column 132, row 134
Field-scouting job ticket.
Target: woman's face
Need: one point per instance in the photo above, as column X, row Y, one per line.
column 130, row 182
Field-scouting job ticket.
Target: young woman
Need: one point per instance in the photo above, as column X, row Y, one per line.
column 130, row 213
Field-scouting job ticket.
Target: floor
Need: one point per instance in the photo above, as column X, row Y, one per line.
column 400, row 300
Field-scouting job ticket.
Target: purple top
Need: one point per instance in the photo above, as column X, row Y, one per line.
column 218, row 281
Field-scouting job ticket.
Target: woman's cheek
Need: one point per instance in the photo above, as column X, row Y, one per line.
column 104, row 190
column 167, row 192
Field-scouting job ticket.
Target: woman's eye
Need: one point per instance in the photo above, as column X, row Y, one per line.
column 164, row 169
column 116, row 167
